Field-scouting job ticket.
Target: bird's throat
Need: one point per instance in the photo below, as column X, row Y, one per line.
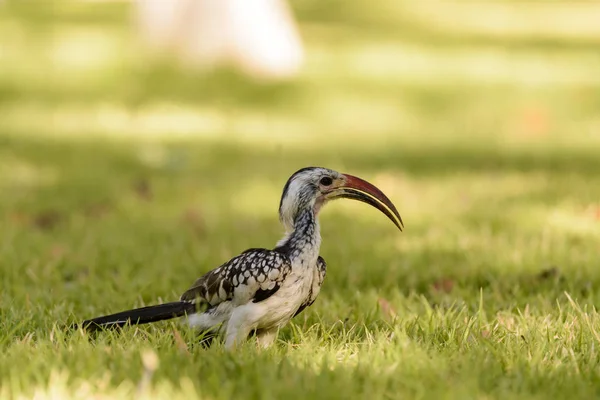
column 304, row 240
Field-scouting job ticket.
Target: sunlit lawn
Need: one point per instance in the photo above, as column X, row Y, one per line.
column 121, row 181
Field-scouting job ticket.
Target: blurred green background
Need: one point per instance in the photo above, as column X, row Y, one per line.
column 124, row 177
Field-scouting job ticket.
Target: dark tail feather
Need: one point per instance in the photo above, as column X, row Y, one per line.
column 139, row 316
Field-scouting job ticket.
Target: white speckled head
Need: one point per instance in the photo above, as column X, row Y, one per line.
column 310, row 188
column 304, row 190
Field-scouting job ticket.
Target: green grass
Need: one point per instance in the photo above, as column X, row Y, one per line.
column 121, row 181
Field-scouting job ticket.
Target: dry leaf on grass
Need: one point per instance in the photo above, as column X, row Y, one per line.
column 387, row 309
column 179, row 342
column 143, row 189
column 194, row 219
column 444, row 285
column 47, row 220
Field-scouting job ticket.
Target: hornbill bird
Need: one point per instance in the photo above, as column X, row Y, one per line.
column 261, row 290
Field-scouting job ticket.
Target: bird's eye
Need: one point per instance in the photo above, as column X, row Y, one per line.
column 326, row 181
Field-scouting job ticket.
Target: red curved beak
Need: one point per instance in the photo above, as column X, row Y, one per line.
column 361, row 190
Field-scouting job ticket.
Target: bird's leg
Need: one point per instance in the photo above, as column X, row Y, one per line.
column 235, row 336
column 265, row 338
column 238, row 328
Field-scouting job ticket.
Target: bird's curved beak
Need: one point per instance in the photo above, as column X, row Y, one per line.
column 361, row 190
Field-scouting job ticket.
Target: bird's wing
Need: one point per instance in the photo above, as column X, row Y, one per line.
column 254, row 275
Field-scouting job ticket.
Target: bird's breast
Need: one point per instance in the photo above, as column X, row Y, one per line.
column 295, row 290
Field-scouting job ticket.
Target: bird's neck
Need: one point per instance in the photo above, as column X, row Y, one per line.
column 303, row 241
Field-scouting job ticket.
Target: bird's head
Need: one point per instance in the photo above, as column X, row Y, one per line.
column 312, row 187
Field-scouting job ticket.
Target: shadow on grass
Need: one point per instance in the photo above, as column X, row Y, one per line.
column 94, row 176
column 134, row 84
column 226, row 158
column 358, row 21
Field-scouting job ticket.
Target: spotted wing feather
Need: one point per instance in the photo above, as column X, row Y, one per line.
column 254, row 275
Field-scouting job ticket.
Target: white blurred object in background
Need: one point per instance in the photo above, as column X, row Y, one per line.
column 258, row 37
